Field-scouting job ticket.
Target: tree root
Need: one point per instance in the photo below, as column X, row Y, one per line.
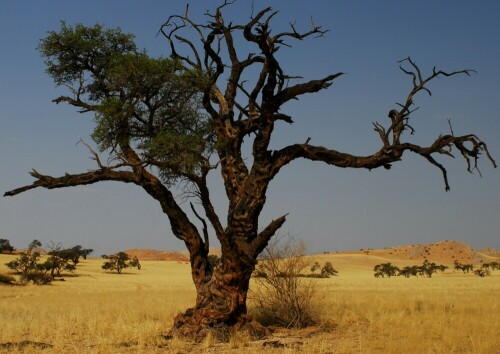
column 190, row 326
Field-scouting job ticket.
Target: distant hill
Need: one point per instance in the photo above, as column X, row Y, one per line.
column 490, row 252
column 154, row 255
column 442, row 251
column 445, row 252
column 213, row 250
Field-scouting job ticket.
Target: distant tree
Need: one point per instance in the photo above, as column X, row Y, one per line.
column 488, row 266
column 120, row 261
column 458, row 265
column 73, row 254
column 495, row 265
column 56, row 263
column 34, row 244
column 328, row 270
column 409, row 271
column 385, row 269
column 429, row 268
column 28, row 266
column 134, row 262
column 85, row 252
column 466, row 268
column 25, row 263
column 5, row 246
column 482, row 272
column 442, row 268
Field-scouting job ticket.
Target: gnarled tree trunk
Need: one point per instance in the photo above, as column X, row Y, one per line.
column 221, row 302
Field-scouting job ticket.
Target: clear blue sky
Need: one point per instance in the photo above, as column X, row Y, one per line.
column 330, row 208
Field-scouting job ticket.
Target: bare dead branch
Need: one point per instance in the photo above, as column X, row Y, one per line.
column 76, row 103
column 68, row 180
column 308, row 87
column 451, row 128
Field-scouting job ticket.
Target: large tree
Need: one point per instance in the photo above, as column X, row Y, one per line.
column 164, row 121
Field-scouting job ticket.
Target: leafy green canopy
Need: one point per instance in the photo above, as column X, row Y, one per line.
column 151, row 104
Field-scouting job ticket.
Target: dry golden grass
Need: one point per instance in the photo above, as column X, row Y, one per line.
column 97, row 312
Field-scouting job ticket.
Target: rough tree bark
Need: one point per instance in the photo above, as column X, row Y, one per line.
column 222, row 292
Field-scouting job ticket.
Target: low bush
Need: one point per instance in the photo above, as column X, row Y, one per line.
column 37, row 278
column 282, row 295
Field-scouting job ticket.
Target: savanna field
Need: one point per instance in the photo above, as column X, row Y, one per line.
column 93, row 311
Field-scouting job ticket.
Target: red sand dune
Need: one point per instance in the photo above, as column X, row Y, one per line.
column 154, row 255
column 442, row 251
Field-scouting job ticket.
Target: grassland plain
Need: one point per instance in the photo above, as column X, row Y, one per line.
column 98, row 312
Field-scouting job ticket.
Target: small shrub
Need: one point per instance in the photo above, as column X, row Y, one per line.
column 282, row 295
column 36, row 277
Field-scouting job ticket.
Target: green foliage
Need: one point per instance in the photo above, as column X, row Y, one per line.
column 119, row 261
column 27, row 262
column 385, row 270
column 79, row 50
column 427, row 268
column 56, row 265
column 409, row 271
column 28, row 266
column 34, row 244
column 466, row 268
column 37, row 277
column 72, row 254
column 5, row 246
column 153, row 104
